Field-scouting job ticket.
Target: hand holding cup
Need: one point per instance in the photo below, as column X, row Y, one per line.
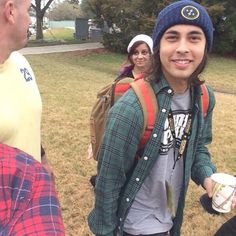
column 223, row 194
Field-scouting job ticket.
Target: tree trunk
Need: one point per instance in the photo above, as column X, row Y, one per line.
column 39, row 16
column 39, row 24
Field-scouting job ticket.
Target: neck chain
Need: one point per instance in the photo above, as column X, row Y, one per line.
column 184, row 137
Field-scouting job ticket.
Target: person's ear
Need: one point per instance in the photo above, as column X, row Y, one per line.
column 9, row 12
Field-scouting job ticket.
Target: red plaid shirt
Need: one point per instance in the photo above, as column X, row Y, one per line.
column 28, row 200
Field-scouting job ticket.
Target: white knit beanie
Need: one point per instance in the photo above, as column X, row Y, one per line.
column 141, row 37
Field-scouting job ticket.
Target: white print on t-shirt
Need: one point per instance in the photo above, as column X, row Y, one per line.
column 180, row 121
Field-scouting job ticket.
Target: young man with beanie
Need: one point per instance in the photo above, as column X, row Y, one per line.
column 146, row 197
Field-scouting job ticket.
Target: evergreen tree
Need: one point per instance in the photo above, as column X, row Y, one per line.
column 138, row 16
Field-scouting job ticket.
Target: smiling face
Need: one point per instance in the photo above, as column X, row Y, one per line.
column 141, row 57
column 181, row 51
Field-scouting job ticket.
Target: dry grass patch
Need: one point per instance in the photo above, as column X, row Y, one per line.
column 68, row 83
column 221, row 74
column 223, row 149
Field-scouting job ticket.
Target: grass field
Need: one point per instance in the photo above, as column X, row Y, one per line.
column 68, row 83
column 54, row 37
column 65, row 34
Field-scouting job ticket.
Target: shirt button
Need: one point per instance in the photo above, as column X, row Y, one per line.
column 145, row 158
column 127, row 199
column 154, row 135
column 137, row 179
column 169, row 91
column 163, row 110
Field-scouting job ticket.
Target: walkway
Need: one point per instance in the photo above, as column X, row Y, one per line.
column 59, row 48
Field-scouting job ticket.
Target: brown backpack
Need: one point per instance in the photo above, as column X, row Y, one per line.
column 106, row 98
column 109, row 94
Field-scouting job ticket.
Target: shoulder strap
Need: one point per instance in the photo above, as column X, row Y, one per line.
column 123, row 85
column 149, row 105
column 119, row 86
column 204, row 99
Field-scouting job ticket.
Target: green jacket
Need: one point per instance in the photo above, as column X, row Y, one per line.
column 119, row 179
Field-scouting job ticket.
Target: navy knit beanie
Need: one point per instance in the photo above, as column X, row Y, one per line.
column 183, row 12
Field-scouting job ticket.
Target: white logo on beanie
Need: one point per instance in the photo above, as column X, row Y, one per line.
column 190, row 12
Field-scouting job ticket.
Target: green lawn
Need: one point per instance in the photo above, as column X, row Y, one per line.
column 55, row 36
column 221, row 74
column 66, row 34
column 68, row 83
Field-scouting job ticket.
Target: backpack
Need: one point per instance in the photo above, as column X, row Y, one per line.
column 109, row 94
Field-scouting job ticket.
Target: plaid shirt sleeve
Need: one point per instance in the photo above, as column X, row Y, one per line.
column 28, row 200
column 121, row 138
column 202, row 166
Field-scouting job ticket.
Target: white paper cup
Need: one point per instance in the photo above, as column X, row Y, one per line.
column 223, row 192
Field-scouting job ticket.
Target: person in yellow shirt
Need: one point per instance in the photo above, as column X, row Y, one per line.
column 20, row 106
column 28, row 198
column 20, row 101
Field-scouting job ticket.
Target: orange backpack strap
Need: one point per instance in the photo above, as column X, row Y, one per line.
column 204, row 99
column 123, row 85
column 119, row 87
column 147, row 98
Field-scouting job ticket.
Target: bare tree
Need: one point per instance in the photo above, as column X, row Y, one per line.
column 40, row 7
column 65, row 11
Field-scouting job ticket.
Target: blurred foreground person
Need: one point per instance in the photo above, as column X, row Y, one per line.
column 20, row 100
column 28, row 200
column 29, row 205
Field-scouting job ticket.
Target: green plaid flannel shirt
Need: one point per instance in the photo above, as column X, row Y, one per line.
column 118, row 181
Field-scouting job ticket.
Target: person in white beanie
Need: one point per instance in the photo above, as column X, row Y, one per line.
column 139, row 58
column 137, row 65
